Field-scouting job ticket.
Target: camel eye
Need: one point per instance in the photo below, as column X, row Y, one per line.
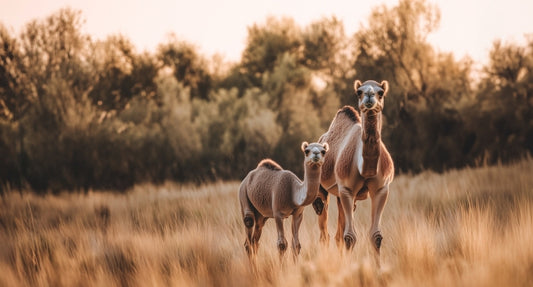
column 359, row 92
column 306, row 152
column 380, row 93
column 323, row 152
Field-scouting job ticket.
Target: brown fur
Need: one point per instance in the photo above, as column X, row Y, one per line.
column 351, row 113
column 371, row 144
column 386, row 163
column 272, row 192
column 345, row 118
column 358, row 164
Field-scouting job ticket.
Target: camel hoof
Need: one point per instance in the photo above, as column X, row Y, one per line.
column 349, row 241
column 297, row 248
column 324, row 238
column 248, row 248
column 248, row 222
column 282, row 245
column 377, row 241
column 318, row 206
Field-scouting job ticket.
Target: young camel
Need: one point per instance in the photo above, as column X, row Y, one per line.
column 272, row 192
column 357, row 165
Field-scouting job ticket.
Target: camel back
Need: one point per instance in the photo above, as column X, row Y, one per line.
column 344, row 120
column 269, row 164
column 350, row 112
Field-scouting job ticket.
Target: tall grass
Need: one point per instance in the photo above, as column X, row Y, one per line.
column 469, row 227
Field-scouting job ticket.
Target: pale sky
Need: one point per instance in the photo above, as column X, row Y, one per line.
column 467, row 27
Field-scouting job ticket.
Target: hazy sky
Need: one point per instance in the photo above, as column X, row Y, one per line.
column 220, row 26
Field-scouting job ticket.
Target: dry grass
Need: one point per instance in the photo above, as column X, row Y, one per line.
column 470, row 227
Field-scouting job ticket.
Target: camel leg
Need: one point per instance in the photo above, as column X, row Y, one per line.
column 296, row 221
column 379, row 198
column 248, row 218
column 282, row 242
column 260, row 222
column 249, row 222
column 340, row 223
column 347, row 201
column 249, row 243
column 321, row 205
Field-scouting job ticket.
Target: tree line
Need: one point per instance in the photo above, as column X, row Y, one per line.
column 79, row 113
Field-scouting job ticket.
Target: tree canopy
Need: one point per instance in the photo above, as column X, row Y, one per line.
column 79, row 113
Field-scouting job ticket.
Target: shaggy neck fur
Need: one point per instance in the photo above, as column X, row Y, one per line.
column 371, row 138
column 307, row 190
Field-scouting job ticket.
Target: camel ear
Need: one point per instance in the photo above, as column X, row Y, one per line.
column 326, row 146
column 385, row 87
column 356, row 85
column 304, row 146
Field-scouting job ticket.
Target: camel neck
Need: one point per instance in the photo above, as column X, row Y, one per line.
column 309, row 187
column 371, row 138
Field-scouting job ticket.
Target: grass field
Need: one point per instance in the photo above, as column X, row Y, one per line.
column 469, row 227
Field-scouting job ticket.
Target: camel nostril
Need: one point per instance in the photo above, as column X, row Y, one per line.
column 369, row 104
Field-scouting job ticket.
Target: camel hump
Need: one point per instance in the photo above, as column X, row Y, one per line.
column 350, row 112
column 270, row 164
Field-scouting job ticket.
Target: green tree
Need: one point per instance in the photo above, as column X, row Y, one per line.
column 46, row 79
column 394, row 42
column 291, row 94
column 326, row 53
column 325, row 45
column 56, row 47
column 427, row 88
column 503, row 122
column 188, row 67
column 13, row 96
column 120, row 74
column 265, row 44
column 14, row 103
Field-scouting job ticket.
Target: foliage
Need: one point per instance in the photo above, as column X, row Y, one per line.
column 78, row 113
column 505, row 103
column 188, row 67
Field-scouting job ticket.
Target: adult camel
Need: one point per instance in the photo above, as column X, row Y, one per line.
column 357, row 165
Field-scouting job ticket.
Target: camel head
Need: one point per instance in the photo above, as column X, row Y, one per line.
column 371, row 95
column 314, row 153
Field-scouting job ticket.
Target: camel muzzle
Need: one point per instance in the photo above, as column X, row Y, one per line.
column 370, row 104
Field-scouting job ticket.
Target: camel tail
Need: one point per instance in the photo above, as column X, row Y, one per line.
column 246, row 206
